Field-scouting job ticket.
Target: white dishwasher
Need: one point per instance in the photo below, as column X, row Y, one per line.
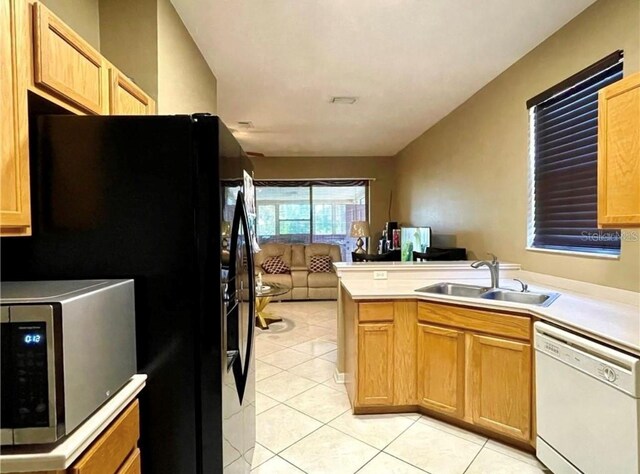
column 587, row 405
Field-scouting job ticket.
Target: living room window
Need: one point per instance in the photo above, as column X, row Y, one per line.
column 564, row 153
column 302, row 212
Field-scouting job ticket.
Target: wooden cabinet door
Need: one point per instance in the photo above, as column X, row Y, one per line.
column 619, row 153
column 132, row 465
column 375, row 364
column 500, row 372
column 126, row 98
column 116, row 449
column 15, row 214
column 66, row 65
column 441, row 369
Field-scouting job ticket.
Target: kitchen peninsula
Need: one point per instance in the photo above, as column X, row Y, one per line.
column 467, row 360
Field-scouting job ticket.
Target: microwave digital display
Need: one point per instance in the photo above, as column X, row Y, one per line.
column 33, row 338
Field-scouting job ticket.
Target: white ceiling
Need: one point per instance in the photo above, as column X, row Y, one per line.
column 409, row 62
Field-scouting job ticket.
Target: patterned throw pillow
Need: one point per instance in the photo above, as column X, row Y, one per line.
column 320, row 264
column 275, row 265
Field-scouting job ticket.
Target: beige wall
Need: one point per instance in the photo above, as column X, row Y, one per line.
column 147, row 40
column 468, row 174
column 185, row 81
column 129, row 38
column 81, row 15
column 378, row 167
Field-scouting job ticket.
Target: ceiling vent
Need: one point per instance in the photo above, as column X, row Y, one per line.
column 245, row 124
column 344, row 100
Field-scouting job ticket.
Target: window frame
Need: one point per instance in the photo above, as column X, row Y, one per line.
column 311, row 184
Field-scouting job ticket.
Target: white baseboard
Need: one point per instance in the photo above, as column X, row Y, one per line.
column 338, row 377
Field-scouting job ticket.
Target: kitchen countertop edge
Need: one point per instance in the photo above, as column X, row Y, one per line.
column 65, row 453
column 543, row 313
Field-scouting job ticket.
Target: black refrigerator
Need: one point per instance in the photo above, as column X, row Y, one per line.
column 169, row 202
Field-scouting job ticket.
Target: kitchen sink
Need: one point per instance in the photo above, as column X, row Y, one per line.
column 539, row 299
column 488, row 293
column 455, row 289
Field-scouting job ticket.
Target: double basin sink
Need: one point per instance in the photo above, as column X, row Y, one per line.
column 487, row 293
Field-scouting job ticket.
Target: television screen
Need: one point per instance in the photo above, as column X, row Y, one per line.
column 414, row 239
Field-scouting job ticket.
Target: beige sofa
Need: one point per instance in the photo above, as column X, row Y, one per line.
column 304, row 284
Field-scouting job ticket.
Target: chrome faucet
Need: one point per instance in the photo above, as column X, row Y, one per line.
column 524, row 288
column 494, row 268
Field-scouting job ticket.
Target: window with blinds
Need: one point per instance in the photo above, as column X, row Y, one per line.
column 564, row 152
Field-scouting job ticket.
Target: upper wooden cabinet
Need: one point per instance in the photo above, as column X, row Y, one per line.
column 126, row 98
column 619, row 153
column 65, row 64
column 40, row 55
column 15, row 214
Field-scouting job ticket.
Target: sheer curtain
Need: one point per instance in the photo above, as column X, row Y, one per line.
column 305, row 212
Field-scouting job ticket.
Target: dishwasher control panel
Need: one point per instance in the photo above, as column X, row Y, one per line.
column 601, row 362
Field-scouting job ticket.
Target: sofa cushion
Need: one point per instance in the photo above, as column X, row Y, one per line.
column 275, row 265
column 312, row 250
column 320, row 264
column 297, row 256
column 272, row 250
column 322, row 280
column 278, row 278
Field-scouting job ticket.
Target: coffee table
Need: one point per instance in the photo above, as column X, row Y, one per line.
column 263, row 298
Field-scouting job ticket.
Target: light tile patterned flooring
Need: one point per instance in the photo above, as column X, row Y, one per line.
column 304, row 422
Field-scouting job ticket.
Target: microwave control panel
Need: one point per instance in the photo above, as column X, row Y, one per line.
column 29, row 374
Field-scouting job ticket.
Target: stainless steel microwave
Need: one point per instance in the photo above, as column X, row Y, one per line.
column 67, row 346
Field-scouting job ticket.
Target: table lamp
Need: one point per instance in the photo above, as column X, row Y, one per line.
column 360, row 229
column 225, row 230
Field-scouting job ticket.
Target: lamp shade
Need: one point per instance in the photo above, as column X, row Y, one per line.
column 225, row 228
column 360, row 229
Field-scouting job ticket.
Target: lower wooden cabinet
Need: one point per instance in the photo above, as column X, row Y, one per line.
column 113, row 448
column 115, row 451
column 132, row 464
column 471, row 365
column 500, row 373
column 375, row 364
column 441, row 369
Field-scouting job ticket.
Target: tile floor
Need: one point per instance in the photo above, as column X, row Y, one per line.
column 304, row 422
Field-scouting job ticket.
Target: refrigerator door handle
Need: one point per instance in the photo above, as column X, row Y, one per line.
column 245, row 341
column 250, row 323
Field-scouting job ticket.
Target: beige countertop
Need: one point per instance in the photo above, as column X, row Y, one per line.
column 615, row 321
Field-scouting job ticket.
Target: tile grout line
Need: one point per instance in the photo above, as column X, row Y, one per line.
column 394, row 439
column 512, row 456
column 387, row 445
column 475, row 457
column 454, row 434
column 323, row 424
column 299, row 352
